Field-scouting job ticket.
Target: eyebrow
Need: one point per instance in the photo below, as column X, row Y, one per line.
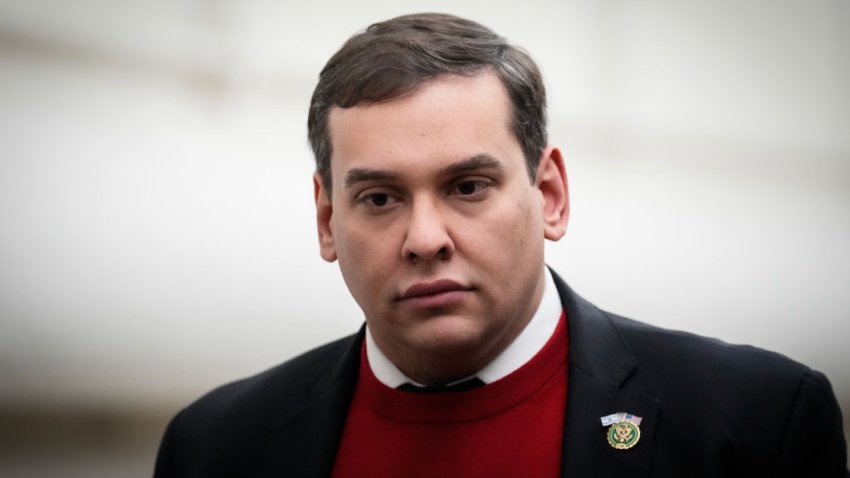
column 479, row 161
column 476, row 162
column 356, row 175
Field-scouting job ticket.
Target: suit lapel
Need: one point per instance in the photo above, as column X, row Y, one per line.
column 601, row 382
column 309, row 439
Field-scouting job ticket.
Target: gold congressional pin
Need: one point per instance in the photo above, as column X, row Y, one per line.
column 623, row 430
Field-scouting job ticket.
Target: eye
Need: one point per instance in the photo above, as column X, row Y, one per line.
column 377, row 201
column 470, row 188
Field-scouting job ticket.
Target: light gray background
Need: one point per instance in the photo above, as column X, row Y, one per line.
column 157, row 234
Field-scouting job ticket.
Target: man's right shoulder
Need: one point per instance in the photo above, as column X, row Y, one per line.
column 241, row 427
column 284, row 386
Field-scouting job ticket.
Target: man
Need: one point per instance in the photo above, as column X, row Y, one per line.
column 435, row 189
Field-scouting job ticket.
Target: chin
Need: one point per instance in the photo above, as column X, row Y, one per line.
column 448, row 336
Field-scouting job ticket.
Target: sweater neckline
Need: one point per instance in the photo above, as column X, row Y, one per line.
column 494, row 398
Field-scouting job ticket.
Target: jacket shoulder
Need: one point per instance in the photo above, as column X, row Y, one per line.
column 228, row 424
column 675, row 349
column 746, row 398
column 283, row 386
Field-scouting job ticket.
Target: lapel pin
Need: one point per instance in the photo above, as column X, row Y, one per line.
column 623, row 430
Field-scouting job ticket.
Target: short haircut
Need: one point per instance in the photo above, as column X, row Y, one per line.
column 391, row 59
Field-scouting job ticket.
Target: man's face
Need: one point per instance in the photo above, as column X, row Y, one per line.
column 436, row 224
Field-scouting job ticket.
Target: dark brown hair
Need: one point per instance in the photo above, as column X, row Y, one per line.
column 391, row 59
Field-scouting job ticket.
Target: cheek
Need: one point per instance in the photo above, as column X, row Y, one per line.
column 522, row 220
column 359, row 268
column 509, row 233
column 362, row 252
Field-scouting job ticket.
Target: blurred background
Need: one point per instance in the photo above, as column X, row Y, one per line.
column 156, row 222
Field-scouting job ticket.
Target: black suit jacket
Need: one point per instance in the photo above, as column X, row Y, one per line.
column 709, row 410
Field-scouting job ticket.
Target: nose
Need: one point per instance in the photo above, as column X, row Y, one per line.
column 428, row 235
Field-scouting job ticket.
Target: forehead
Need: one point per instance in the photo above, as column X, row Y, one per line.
column 446, row 119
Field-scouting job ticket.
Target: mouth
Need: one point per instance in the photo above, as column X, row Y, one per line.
column 441, row 293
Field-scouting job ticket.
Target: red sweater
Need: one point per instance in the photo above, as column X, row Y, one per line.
column 512, row 427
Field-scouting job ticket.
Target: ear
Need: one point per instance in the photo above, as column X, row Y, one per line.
column 552, row 182
column 324, row 212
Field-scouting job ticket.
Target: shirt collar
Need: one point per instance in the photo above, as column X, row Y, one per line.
column 525, row 346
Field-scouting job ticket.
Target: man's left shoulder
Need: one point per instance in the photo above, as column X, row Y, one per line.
column 707, row 377
column 758, row 400
column 672, row 349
